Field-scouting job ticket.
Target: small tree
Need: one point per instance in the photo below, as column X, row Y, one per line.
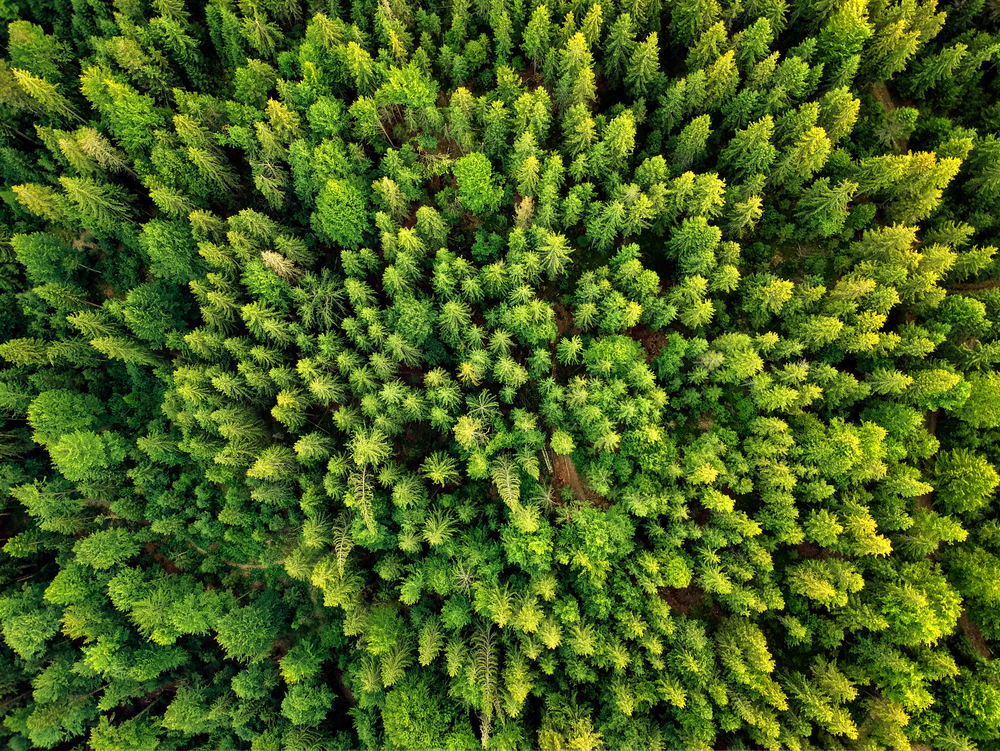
column 477, row 189
column 341, row 216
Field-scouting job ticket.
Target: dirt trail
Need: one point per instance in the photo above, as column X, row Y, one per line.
column 971, row 629
column 926, row 501
column 881, row 92
column 974, row 286
column 564, row 474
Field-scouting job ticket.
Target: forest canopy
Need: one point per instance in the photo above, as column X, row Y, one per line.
column 502, row 374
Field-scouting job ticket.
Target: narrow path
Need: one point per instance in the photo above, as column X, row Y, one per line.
column 971, row 629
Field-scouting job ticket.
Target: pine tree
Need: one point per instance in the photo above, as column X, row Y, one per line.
column 45, row 93
column 710, row 46
column 692, row 142
column 101, row 206
column 691, row 18
column 618, row 47
column 822, row 208
column 802, row 160
column 964, row 481
column 750, row 151
column 537, row 34
column 555, row 253
column 579, row 129
column 643, row 66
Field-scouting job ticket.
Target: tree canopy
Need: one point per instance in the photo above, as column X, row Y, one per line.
column 405, row 375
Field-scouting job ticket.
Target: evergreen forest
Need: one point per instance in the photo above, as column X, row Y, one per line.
column 499, row 374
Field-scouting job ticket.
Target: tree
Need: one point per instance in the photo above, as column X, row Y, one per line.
column 985, row 165
column 936, row 389
column 248, row 633
column 982, row 409
column 822, row 209
column 643, row 66
column 577, row 84
column 41, row 200
column 710, row 46
column 694, row 243
column 106, row 548
column 45, row 93
column 98, row 206
column 805, row 157
column 440, row 468
column 307, row 704
column 25, row 351
column 619, row 135
column 562, row 443
column 170, row 248
column 341, row 215
column 476, row 187
column 28, row 621
column 692, row 142
column 619, row 46
column 689, row 19
column 153, row 310
column 964, row 481
column 33, row 50
column 140, row 733
column 898, row 34
column 838, row 113
column 754, row 44
column 555, row 253
column 82, row 454
column 750, row 151
column 537, row 34
column 844, row 33
column 579, row 129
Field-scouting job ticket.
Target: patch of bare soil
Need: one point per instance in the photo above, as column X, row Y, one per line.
column 564, row 319
column 971, row 630
column 108, row 291
column 165, row 563
column 85, row 241
column 809, row 550
column 682, row 600
column 926, row 501
column 565, row 474
column 881, row 92
column 338, row 677
column 652, row 341
column 973, row 286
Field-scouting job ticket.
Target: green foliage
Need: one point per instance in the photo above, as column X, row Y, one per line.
column 248, row 633
column 81, row 454
column 138, row 733
column 171, row 251
column 341, row 214
column 964, row 481
column 307, row 705
column 521, row 375
column 476, row 187
column 414, row 717
column 106, row 548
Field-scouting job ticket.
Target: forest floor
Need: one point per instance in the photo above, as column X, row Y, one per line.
column 682, row 600
column 973, row 286
column 972, row 633
column 652, row 341
column 881, row 92
column 565, row 474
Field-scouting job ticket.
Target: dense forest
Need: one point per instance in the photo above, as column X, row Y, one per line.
column 502, row 374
